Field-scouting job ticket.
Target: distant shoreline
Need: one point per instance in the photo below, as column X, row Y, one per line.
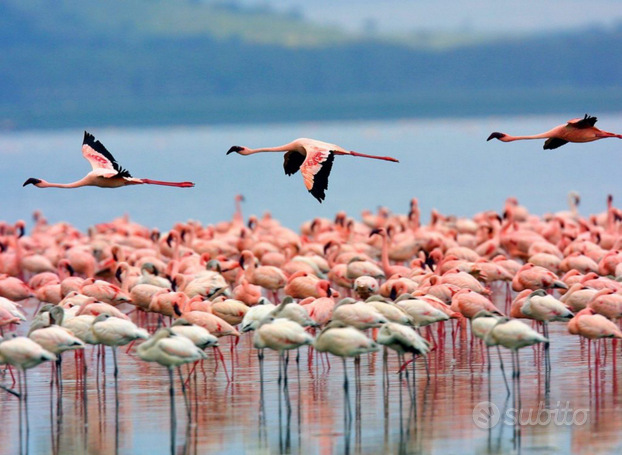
column 286, row 109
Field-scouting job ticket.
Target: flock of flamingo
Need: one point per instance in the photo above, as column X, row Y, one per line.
column 342, row 287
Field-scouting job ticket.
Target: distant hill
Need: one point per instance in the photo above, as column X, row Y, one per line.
column 76, row 62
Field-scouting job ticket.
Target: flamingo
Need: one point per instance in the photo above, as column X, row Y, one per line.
column 513, row 335
column 288, row 309
column 256, row 314
column 112, row 331
column 389, row 310
column 545, row 308
column 591, row 325
column 344, row 341
column 576, row 130
column 366, row 287
column 170, row 351
column 404, row 339
column 481, row 324
column 280, row 335
column 198, row 335
column 106, row 173
column 56, row 339
column 358, row 314
column 24, row 354
column 313, row 158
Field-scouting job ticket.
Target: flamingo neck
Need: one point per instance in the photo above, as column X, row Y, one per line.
column 79, row 183
column 508, row 138
column 282, row 148
column 386, row 265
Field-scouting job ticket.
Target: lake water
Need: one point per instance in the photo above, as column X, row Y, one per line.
column 238, row 417
column 446, row 163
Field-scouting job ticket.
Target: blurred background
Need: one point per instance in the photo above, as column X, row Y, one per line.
column 143, row 62
column 426, row 82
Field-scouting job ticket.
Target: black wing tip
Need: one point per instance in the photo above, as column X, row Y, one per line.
column 590, row 119
column 320, row 181
column 88, row 138
column 496, row 135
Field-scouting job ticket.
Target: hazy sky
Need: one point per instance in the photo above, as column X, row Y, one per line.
column 476, row 15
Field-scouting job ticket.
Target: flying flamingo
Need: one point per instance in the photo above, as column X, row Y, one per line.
column 106, row 173
column 313, row 158
column 576, row 130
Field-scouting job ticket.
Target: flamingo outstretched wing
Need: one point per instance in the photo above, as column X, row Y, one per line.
column 553, row 143
column 292, row 162
column 581, row 123
column 101, row 159
column 315, row 171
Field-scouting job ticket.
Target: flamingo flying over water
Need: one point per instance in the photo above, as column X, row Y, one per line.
column 576, row 130
column 106, row 173
column 313, row 158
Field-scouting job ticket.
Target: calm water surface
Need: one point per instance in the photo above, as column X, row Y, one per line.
column 447, row 164
column 237, row 417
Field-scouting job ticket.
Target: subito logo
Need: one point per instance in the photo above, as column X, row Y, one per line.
column 486, row 415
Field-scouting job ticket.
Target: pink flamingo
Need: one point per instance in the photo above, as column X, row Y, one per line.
column 106, row 173
column 389, row 269
column 576, row 130
column 313, row 158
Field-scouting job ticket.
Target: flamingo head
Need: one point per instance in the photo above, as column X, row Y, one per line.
column 33, row 181
column 378, row 231
column 496, row 135
column 237, row 149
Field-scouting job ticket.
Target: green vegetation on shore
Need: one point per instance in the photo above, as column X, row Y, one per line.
column 71, row 62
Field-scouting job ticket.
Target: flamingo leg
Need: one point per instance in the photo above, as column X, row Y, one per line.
column 505, row 379
column 173, row 417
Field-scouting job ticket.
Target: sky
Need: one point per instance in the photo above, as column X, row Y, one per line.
column 487, row 16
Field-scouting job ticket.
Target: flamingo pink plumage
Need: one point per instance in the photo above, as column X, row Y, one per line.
column 313, row 158
column 106, row 173
column 576, row 130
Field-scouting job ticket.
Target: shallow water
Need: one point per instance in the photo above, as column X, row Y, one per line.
column 446, row 163
column 230, row 418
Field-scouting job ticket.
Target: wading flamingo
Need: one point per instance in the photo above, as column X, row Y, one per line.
column 106, row 173
column 313, row 158
column 576, row 130
column 170, row 351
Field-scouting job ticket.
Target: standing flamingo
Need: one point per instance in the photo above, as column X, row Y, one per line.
column 106, row 173
column 170, row 351
column 576, row 130
column 23, row 353
column 313, row 158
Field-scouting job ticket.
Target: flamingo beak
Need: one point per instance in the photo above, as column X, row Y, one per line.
column 496, row 135
column 32, row 181
column 374, row 231
column 235, row 148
